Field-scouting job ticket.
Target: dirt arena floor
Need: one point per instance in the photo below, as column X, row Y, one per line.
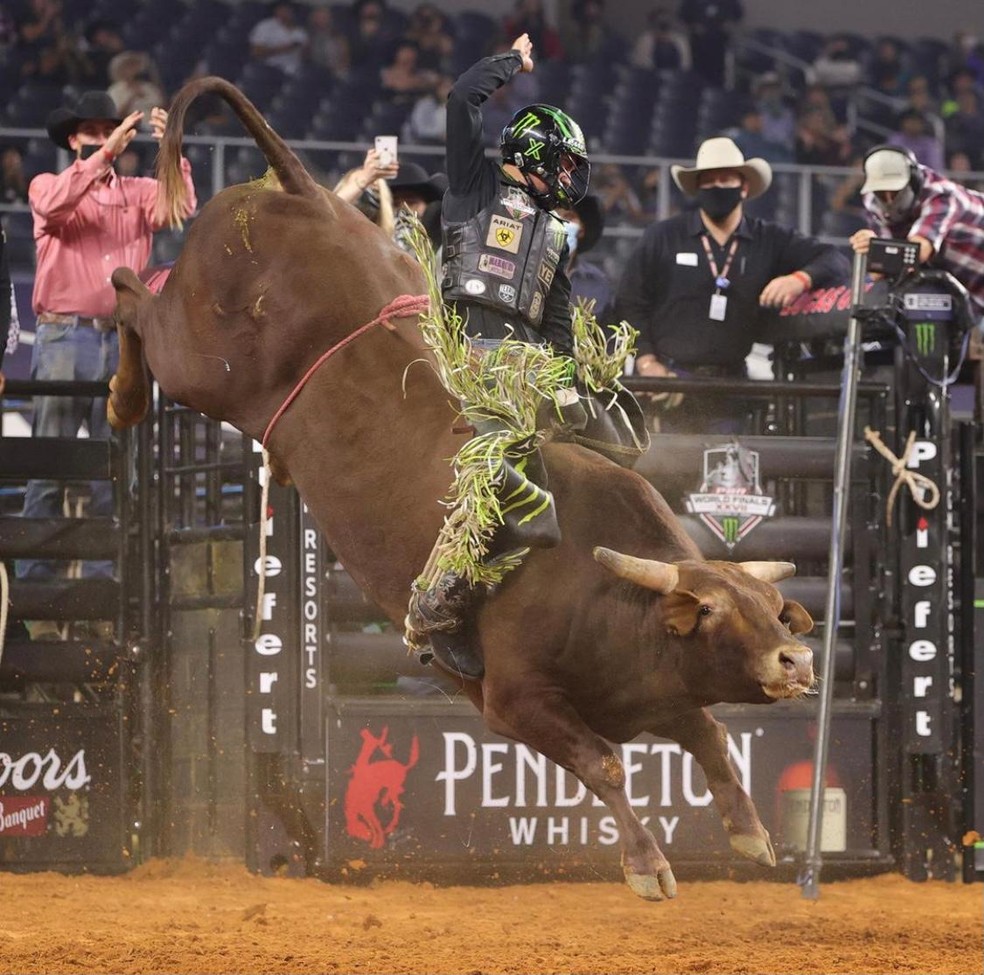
column 190, row 916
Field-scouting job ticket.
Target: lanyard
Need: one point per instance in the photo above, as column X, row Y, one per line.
column 720, row 280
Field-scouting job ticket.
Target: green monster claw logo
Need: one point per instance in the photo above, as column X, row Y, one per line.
column 925, row 337
column 729, row 527
column 533, row 148
column 529, row 121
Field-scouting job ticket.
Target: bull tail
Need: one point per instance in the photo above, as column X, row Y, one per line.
column 172, row 199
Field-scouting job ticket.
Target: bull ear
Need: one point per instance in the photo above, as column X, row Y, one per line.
column 659, row 576
column 800, row 621
column 768, row 571
column 680, row 612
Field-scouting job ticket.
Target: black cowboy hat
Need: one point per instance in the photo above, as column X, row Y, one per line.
column 593, row 217
column 413, row 176
column 92, row 106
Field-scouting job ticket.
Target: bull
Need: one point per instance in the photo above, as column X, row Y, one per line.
column 290, row 315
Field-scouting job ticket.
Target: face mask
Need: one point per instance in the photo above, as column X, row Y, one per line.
column 718, row 201
column 899, row 208
column 573, row 230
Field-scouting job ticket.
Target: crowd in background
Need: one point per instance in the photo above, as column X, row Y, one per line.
column 794, row 116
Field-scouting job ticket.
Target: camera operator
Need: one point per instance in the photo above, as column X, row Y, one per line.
column 905, row 200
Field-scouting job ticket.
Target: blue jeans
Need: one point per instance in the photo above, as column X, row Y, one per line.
column 84, row 354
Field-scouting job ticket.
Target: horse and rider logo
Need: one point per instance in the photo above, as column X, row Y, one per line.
column 730, row 499
column 376, row 783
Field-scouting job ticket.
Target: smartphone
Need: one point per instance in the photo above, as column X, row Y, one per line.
column 386, row 146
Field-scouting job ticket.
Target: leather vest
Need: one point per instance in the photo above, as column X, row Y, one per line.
column 505, row 257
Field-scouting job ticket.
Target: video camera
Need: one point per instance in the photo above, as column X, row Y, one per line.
column 892, row 258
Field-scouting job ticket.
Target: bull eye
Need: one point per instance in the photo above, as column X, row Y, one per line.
column 785, row 619
column 703, row 610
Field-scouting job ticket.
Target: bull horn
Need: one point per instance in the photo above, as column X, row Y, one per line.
column 659, row 576
column 769, row 571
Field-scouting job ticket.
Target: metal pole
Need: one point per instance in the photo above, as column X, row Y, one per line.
column 809, row 879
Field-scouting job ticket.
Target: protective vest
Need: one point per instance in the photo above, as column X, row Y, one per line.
column 505, row 257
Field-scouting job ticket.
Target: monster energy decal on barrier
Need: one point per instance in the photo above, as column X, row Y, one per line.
column 925, row 335
column 730, row 499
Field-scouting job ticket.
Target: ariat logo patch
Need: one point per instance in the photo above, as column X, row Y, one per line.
column 505, row 234
column 498, row 266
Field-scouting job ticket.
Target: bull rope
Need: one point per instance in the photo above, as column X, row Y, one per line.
column 403, row 306
column 924, row 492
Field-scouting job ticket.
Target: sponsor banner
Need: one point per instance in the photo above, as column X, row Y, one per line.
column 406, row 785
column 312, row 642
column 62, row 788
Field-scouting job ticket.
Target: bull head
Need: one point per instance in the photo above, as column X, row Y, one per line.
column 664, row 577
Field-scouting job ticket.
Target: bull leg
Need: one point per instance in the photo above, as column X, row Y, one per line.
column 545, row 721
column 706, row 739
column 129, row 397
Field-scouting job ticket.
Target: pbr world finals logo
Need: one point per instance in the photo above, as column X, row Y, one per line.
column 730, row 500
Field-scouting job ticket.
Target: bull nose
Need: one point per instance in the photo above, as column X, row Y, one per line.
column 797, row 662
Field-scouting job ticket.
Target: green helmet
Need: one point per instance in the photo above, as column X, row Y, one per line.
column 543, row 141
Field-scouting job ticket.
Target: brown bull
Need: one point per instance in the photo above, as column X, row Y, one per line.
column 583, row 646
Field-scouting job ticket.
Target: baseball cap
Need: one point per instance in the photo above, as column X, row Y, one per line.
column 886, row 170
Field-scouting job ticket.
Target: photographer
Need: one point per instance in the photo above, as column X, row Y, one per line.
column 905, row 200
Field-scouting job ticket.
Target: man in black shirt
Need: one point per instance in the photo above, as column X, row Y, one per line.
column 695, row 285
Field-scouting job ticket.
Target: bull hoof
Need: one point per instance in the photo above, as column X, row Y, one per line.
column 652, row 887
column 757, row 848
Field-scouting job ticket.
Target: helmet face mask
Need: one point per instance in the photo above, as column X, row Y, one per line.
column 544, row 142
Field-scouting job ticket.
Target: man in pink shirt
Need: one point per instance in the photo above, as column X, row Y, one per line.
column 87, row 222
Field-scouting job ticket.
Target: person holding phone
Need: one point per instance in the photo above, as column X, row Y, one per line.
column 87, row 222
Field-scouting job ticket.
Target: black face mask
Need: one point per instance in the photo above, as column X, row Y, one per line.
column 88, row 150
column 718, row 201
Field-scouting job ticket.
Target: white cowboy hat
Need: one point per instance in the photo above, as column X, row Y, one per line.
column 722, row 153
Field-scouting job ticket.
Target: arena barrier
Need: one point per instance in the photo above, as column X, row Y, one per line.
column 316, row 745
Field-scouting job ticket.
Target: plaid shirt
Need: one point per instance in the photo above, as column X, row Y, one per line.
column 951, row 218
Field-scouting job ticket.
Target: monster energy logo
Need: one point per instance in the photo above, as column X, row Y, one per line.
column 925, row 337
column 533, row 148
column 529, row 121
column 729, row 528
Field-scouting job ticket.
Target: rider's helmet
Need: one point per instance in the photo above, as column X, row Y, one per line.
column 893, row 169
column 543, row 141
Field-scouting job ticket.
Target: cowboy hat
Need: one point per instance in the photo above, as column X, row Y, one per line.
column 722, row 153
column 412, row 176
column 92, row 106
column 593, row 219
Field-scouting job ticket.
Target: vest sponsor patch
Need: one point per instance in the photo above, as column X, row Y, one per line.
column 517, row 205
column 504, row 234
column 507, row 293
column 546, row 274
column 535, row 306
column 475, row 287
column 498, row 266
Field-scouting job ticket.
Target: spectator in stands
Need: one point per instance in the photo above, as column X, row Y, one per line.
column 661, row 46
column 103, row 41
column 695, row 285
column 431, row 31
column 845, row 198
column 13, row 182
column 835, row 66
column 967, row 54
column 328, row 47
column 711, row 24
column 528, row 18
column 887, row 72
column 820, row 140
column 278, row 40
column 778, row 119
column 618, row 199
column 417, row 193
column 965, row 126
column 749, row 136
column 960, row 81
column 587, row 38
column 403, row 79
column 589, row 282
column 427, row 123
column 87, row 221
column 136, row 85
column 915, row 134
column 905, row 200
column 372, row 41
column 39, row 26
column 960, row 165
